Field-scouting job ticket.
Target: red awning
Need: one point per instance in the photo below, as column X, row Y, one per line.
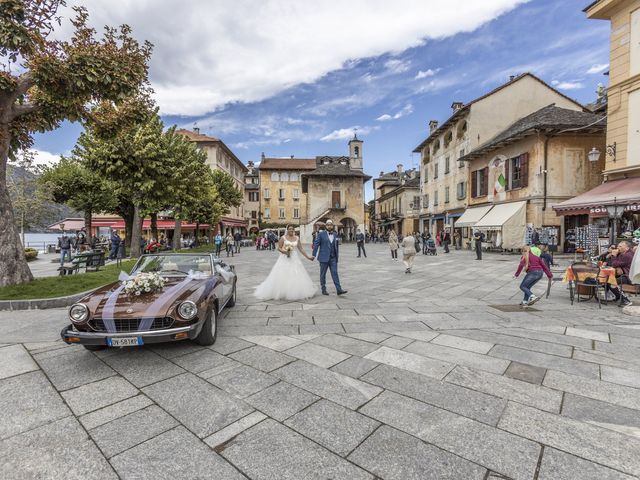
column 233, row 223
column 625, row 192
column 146, row 224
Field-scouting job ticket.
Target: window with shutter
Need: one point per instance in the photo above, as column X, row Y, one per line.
column 446, row 194
column 485, row 180
column 507, row 174
column 474, row 183
column 524, row 167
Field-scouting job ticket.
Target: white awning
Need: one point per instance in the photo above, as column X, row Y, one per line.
column 510, row 219
column 472, row 215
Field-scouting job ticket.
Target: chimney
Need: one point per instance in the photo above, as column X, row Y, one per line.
column 250, row 167
column 433, row 124
column 381, row 173
column 399, row 170
column 511, row 77
column 455, row 106
column 292, row 157
column 196, row 130
column 262, row 156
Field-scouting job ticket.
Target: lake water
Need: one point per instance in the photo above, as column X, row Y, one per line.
column 40, row 240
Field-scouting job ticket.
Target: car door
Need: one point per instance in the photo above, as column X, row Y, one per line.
column 226, row 277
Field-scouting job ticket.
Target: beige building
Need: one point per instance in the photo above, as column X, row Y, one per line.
column 534, row 164
column 252, row 198
column 623, row 125
column 282, row 202
column 308, row 191
column 444, row 178
column 397, row 197
column 220, row 157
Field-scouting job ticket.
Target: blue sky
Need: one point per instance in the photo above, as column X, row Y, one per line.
column 308, row 101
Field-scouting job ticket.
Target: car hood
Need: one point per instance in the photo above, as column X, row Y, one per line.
column 110, row 301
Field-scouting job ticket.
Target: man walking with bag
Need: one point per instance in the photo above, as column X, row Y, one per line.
column 478, row 238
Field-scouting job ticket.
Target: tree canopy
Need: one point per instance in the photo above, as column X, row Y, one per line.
column 44, row 81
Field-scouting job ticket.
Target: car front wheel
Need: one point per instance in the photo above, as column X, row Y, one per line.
column 207, row 335
column 232, row 299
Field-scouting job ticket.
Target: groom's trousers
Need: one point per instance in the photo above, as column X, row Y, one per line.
column 332, row 266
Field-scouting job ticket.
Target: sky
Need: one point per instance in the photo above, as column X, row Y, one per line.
column 286, row 77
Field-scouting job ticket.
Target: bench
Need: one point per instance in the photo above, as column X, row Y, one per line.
column 89, row 261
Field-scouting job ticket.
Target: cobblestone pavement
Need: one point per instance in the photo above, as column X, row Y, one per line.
column 431, row 375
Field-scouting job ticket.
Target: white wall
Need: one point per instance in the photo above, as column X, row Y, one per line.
column 633, row 137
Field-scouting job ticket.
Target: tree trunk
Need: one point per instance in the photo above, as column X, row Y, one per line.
column 154, row 226
column 177, row 233
column 13, row 264
column 87, row 223
column 197, row 234
column 136, row 232
column 210, row 234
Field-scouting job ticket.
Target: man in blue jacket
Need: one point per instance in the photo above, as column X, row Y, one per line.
column 326, row 248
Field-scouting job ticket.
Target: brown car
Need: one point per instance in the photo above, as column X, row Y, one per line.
column 196, row 289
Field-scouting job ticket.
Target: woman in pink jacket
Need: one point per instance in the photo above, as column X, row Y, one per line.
column 533, row 266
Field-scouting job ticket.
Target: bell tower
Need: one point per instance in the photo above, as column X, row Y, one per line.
column 355, row 153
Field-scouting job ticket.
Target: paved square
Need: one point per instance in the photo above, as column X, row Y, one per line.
column 425, row 376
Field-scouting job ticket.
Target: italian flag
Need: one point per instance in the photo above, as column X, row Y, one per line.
column 501, row 182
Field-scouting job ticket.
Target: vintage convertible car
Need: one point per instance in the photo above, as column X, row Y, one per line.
column 196, row 289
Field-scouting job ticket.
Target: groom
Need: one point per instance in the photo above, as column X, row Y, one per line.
column 327, row 242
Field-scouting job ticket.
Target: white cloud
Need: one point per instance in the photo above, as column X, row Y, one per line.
column 43, row 157
column 397, row 66
column 210, row 53
column 597, row 68
column 426, row 73
column 406, row 110
column 567, row 85
column 347, row 133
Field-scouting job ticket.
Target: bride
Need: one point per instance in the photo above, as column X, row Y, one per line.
column 288, row 279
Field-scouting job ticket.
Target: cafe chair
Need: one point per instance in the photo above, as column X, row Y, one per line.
column 586, row 283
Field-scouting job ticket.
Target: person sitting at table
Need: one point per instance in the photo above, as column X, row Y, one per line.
column 620, row 258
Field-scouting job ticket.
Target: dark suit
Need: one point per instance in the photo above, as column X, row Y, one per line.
column 360, row 242
column 326, row 251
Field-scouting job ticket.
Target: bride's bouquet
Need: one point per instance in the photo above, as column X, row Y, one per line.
column 288, row 249
column 143, row 283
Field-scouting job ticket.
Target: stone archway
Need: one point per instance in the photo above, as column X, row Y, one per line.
column 348, row 227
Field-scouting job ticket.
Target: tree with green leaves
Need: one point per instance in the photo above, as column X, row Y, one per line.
column 71, row 182
column 44, row 81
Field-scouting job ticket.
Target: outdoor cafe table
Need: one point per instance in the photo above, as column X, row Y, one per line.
column 605, row 275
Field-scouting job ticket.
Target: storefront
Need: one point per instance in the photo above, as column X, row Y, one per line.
column 604, row 215
column 467, row 221
column 505, row 225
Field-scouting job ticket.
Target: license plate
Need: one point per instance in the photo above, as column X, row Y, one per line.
column 124, row 342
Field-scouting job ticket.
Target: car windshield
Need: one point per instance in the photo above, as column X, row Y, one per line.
column 169, row 265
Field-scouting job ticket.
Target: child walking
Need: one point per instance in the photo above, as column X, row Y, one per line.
column 534, row 267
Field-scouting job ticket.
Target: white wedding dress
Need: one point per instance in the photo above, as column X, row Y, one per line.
column 288, row 279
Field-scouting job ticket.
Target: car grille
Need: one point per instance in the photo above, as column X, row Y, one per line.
column 131, row 324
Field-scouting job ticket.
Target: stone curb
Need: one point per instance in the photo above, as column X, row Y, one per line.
column 43, row 303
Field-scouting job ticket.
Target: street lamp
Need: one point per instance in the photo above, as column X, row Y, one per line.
column 614, row 214
column 594, row 155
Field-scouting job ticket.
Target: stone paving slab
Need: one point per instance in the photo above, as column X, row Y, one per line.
column 27, row 402
column 15, row 360
column 578, row 438
column 394, row 455
column 198, row 405
column 142, row 367
column 96, row 395
column 262, row 358
column 577, row 367
column 338, row 388
column 463, row 401
column 112, row 412
column 268, row 450
column 557, row 465
column 188, row 459
column 282, row 400
column 459, row 357
column 466, row 438
column 317, row 354
column 74, row 369
column 242, row 381
column 620, row 419
column 409, row 361
column 334, row 427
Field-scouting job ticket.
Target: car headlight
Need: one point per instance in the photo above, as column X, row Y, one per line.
column 78, row 313
column 187, row 310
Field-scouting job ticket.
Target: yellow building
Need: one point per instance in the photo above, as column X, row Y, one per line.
column 282, row 202
column 397, row 197
column 619, row 195
column 220, row 157
column 252, row 197
column 534, row 164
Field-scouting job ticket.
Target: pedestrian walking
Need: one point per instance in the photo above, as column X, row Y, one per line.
column 230, row 244
column 478, row 238
column 446, row 240
column 218, row 243
column 408, row 252
column 456, row 239
column 115, row 243
column 533, row 267
column 64, row 243
column 425, row 236
column 393, row 244
column 237, row 238
column 360, row 242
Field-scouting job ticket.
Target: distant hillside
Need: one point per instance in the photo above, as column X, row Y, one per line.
column 52, row 212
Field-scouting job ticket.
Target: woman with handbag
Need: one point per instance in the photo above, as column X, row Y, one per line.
column 393, row 244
